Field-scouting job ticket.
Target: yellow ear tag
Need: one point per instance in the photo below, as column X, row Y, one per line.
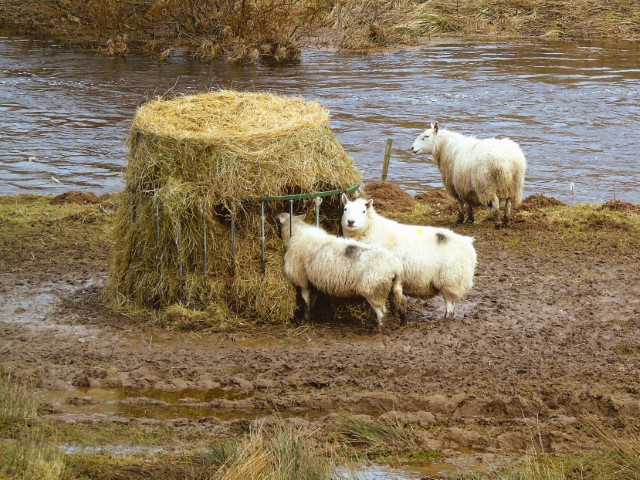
column 419, row 231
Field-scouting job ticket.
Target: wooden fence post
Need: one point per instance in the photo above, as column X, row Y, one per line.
column 387, row 157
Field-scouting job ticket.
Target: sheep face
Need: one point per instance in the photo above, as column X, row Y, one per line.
column 354, row 215
column 424, row 142
column 282, row 220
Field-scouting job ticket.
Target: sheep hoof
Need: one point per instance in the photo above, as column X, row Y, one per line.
column 471, row 221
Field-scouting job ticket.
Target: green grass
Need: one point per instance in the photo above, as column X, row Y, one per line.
column 35, row 234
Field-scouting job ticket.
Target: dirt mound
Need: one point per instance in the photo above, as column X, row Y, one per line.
column 537, row 201
column 433, row 196
column 438, row 198
column 389, row 196
column 75, row 196
column 608, row 224
column 619, row 206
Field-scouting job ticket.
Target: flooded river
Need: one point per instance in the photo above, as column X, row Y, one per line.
column 575, row 109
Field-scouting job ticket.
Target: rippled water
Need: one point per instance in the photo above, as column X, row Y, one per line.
column 574, row 109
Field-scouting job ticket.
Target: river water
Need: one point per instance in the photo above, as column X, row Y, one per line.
column 574, row 109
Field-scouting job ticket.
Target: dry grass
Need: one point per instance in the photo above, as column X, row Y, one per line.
column 277, row 30
column 532, row 18
column 615, row 457
column 196, row 162
column 25, row 451
column 239, row 31
column 375, row 437
column 274, row 453
column 16, row 404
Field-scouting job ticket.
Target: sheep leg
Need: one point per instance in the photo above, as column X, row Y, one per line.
column 470, row 218
column 507, row 211
column 460, row 218
column 377, row 307
column 306, row 296
column 313, row 296
column 495, row 205
column 399, row 302
column 451, row 307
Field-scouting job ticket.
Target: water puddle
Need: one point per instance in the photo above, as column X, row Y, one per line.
column 221, row 403
column 74, row 449
column 440, row 469
column 31, row 306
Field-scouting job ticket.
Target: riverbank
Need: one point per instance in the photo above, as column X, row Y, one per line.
column 279, row 30
column 542, row 351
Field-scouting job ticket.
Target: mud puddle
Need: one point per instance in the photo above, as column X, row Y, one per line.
column 461, row 464
column 32, row 306
column 135, row 403
column 74, row 449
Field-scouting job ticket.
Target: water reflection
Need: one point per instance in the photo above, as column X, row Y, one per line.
column 575, row 110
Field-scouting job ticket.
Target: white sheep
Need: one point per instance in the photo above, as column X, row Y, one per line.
column 476, row 172
column 339, row 267
column 435, row 260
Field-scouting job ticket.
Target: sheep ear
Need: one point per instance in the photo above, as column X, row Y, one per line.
column 345, row 199
column 369, row 203
column 435, row 127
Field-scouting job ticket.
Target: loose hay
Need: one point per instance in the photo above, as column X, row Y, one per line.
column 389, row 197
column 193, row 161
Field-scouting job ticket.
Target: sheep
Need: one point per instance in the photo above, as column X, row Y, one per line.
column 435, row 260
column 340, row 267
column 476, row 172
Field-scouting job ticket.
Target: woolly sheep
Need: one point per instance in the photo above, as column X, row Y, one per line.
column 340, row 267
column 476, row 172
column 435, row 260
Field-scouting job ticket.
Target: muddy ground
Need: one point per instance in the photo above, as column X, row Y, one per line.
column 548, row 337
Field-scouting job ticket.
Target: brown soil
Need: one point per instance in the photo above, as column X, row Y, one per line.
column 548, row 334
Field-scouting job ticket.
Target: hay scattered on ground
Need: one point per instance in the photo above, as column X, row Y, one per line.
column 620, row 206
column 388, row 196
column 75, row 196
column 438, row 199
column 195, row 163
column 537, row 201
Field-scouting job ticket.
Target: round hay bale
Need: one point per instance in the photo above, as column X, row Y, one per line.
column 198, row 162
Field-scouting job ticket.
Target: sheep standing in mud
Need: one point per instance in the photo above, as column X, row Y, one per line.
column 340, row 267
column 476, row 172
column 435, row 260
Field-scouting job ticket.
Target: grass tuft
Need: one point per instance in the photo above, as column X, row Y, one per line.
column 27, row 452
column 17, row 406
column 272, row 453
column 376, row 436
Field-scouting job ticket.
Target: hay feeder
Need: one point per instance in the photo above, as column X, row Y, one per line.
column 205, row 177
